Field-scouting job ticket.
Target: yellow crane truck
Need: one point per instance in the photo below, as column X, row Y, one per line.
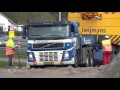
column 96, row 25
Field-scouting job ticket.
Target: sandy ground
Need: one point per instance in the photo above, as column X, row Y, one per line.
column 52, row 72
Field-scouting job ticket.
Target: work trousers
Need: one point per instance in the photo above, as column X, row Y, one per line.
column 10, row 62
column 106, row 57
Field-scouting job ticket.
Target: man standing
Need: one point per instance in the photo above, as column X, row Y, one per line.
column 107, row 50
column 10, row 51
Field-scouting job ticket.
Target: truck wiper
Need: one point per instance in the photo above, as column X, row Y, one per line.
column 56, row 35
column 38, row 37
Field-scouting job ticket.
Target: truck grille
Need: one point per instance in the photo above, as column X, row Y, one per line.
column 49, row 45
column 48, row 56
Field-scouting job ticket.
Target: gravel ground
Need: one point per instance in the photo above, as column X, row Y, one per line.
column 113, row 71
column 52, row 72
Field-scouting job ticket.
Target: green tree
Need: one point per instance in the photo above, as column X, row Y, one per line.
column 21, row 17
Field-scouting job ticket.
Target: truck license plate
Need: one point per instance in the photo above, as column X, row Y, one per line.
column 48, row 63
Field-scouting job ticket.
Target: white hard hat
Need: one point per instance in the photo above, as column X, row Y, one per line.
column 106, row 36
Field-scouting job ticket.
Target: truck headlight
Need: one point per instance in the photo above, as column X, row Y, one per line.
column 30, row 56
column 66, row 55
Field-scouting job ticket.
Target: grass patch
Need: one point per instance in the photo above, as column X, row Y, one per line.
column 3, row 64
column 22, row 55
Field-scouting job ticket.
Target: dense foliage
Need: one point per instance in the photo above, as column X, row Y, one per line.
column 22, row 17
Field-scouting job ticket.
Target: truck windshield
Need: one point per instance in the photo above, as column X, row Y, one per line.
column 48, row 32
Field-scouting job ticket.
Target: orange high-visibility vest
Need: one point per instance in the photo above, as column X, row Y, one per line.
column 107, row 45
column 9, row 51
column 10, row 47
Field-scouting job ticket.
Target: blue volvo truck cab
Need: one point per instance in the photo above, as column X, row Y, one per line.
column 52, row 43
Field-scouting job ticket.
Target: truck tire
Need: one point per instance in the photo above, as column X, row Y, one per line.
column 91, row 61
column 87, row 64
column 76, row 61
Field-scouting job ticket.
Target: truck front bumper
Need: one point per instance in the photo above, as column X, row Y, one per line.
column 70, row 62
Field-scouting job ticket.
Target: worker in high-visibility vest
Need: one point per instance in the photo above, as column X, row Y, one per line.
column 107, row 50
column 10, row 51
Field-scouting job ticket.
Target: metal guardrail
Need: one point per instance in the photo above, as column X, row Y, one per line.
column 20, row 49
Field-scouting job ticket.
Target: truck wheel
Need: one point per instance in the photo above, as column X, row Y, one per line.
column 87, row 62
column 76, row 61
column 91, row 60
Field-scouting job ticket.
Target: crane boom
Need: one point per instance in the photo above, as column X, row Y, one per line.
column 90, row 15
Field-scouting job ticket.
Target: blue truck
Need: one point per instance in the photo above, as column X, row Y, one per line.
column 59, row 43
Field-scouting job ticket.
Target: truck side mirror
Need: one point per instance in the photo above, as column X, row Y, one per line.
column 24, row 33
column 75, row 33
column 74, row 28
